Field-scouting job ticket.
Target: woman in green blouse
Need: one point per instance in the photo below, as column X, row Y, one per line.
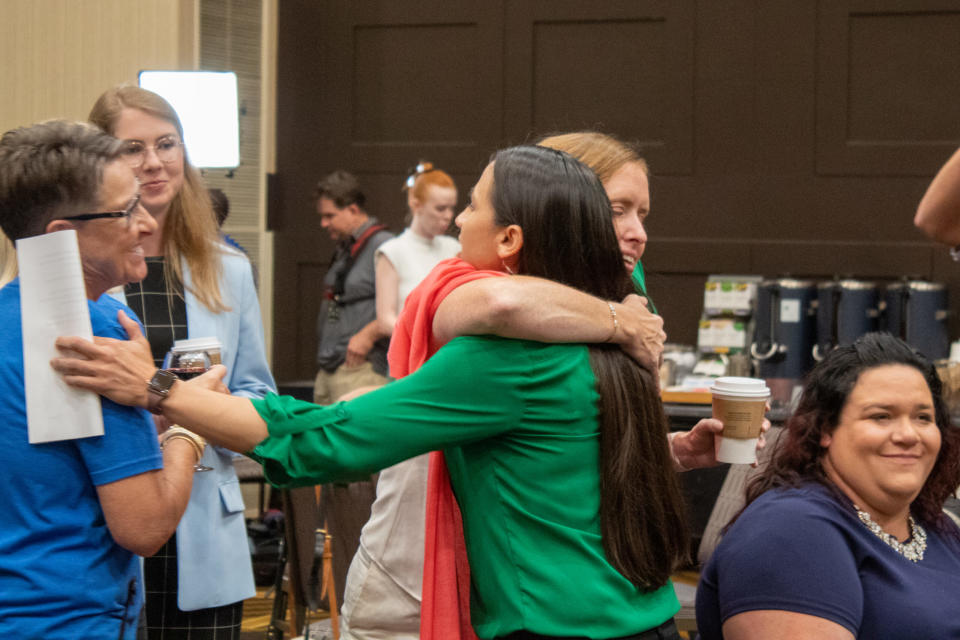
column 558, row 453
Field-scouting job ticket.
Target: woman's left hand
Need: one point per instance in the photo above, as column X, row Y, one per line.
column 117, row 369
column 641, row 334
column 212, row 379
column 696, row 449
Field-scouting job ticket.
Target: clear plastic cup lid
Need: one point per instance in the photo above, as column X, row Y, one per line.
column 740, row 387
column 197, row 344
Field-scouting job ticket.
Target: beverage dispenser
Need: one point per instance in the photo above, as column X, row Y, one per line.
column 846, row 309
column 916, row 311
column 784, row 334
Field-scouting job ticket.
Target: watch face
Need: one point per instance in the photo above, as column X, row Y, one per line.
column 162, row 381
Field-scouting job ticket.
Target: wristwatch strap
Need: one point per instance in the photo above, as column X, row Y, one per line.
column 158, row 388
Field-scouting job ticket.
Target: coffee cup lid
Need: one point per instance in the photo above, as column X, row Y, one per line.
column 197, row 344
column 741, row 387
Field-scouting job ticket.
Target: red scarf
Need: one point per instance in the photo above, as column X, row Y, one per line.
column 445, row 604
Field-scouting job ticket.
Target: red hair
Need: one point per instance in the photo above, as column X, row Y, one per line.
column 425, row 175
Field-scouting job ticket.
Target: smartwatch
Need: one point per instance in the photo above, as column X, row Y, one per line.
column 158, row 388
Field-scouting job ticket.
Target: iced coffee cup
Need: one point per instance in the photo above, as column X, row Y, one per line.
column 739, row 403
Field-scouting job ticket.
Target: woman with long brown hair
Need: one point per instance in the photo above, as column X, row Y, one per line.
column 558, row 453
column 196, row 287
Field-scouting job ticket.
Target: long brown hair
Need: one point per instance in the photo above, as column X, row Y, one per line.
column 565, row 216
column 190, row 229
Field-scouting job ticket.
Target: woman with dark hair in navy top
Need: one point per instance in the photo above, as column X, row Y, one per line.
column 843, row 535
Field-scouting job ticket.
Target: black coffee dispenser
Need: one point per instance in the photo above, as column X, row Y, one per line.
column 785, row 328
column 846, row 309
column 916, row 311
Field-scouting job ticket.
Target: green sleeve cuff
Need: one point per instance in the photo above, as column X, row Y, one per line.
column 289, row 422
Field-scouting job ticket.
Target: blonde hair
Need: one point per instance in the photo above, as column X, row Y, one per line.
column 599, row 151
column 190, row 231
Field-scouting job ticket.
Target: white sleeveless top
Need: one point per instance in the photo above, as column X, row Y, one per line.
column 413, row 257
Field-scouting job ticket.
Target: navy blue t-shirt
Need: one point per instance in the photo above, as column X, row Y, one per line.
column 804, row 551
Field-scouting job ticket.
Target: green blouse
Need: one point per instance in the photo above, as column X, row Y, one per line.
column 639, row 279
column 517, row 421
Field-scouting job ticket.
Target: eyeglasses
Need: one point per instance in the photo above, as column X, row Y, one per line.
column 126, row 213
column 168, row 150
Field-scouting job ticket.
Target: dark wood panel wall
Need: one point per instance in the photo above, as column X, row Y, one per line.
column 784, row 137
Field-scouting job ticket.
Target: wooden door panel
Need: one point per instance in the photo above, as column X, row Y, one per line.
column 784, row 137
column 886, row 71
column 624, row 67
column 372, row 87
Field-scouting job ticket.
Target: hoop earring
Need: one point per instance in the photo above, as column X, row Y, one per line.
column 507, row 268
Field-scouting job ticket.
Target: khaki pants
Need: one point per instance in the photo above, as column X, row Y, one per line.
column 328, row 387
column 345, row 507
column 375, row 607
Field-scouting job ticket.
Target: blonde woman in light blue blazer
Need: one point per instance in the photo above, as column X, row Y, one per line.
column 213, row 555
column 191, row 273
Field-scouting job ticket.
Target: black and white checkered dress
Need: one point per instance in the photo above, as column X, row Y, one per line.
column 164, row 317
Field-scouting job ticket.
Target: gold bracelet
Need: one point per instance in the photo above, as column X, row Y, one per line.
column 180, row 436
column 177, row 431
column 616, row 323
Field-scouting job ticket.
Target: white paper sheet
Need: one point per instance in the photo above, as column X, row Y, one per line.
column 53, row 303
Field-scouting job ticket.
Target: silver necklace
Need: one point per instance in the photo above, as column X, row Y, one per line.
column 912, row 551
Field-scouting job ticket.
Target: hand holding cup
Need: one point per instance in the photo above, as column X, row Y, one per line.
column 739, row 403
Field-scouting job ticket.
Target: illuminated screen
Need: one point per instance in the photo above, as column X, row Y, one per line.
column 206, row 102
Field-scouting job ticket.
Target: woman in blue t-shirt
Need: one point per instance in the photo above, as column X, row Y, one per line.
column 843, row 535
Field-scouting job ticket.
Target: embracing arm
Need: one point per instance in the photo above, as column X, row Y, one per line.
column 538, row 309
column 120, row 369
column 938, row 215
column 311, row 443
column 229, row 421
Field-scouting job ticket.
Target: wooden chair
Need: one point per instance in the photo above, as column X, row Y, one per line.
column 309, row 562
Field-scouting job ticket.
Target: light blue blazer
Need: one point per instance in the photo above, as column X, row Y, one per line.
column 213, row 555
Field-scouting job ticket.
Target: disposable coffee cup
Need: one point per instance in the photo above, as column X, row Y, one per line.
column 739, row 403
column 210, row 346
